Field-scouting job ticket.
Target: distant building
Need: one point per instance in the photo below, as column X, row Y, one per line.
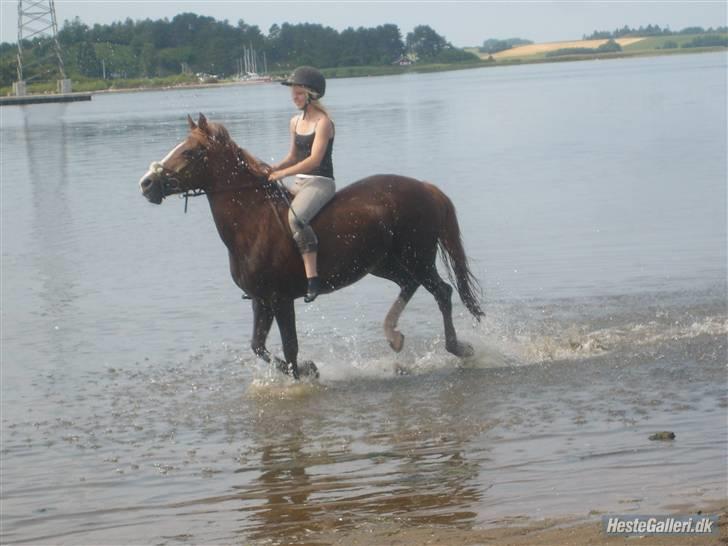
column 404, row 60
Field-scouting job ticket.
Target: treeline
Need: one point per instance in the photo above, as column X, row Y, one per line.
column 494, row 45
column 650, row 30
column 709, row 40
column 609, row 46
column 192, row 43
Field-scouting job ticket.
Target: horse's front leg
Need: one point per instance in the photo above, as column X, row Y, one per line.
column 262, row 321
column 285, row 314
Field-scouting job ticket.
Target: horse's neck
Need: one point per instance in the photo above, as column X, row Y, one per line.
column 241, row 211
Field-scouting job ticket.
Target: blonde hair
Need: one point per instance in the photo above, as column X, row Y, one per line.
column 316, row 103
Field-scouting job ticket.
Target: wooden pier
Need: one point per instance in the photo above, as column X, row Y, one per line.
column 43, row 99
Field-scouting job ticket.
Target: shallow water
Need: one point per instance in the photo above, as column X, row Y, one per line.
column 592, row 199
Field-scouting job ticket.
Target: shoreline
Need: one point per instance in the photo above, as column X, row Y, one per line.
column 387, row 70
column 522, row 531
column 180, row 86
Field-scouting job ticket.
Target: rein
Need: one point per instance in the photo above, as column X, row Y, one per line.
column 199, row 192
column 192, row 193
column 171, row 185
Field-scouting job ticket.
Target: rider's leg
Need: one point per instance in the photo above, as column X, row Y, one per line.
column 313, row 194
column 309, row 263
column 307, row 244
column 314, row 284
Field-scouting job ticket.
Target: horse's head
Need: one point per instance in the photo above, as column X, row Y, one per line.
column 185, row 167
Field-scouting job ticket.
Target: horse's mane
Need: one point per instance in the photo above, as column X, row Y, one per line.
column 218, row 134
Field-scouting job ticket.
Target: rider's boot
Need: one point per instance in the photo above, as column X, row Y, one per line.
column 314, row 286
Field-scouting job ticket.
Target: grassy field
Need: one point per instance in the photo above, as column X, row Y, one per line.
column 630, row 46
column 539, row 51
column 659, row 42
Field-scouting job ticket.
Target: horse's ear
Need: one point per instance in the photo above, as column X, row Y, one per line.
column 202, row 122
column 191, row 123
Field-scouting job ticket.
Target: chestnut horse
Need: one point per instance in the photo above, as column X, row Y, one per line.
column 387, row 225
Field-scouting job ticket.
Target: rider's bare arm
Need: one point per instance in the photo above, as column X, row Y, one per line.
column 290, row 159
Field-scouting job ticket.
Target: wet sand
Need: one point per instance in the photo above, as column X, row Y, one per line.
column 522, row 532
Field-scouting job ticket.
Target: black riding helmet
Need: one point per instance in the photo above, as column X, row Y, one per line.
column 308, row 77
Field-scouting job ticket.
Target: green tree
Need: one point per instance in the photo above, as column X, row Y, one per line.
column 73, row 32
column 86, row 60
column 389, row 46
column 424, row 42
column 148, row 60
column 609, row 46
column 494, row 46
column 452, row 54
column 8, row 71
column 171, row 59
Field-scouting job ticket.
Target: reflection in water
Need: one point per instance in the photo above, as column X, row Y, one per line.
column 46, row 143
column 412, row 467
column 284, row 482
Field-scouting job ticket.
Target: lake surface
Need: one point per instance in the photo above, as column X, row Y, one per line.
column 592, row 200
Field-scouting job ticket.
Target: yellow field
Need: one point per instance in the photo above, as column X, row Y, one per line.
column 540, row 49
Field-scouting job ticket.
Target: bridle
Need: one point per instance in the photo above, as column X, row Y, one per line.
column 171, row 184
column 167, row 178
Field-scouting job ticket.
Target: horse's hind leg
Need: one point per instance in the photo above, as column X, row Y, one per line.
column 443, row 295
column 394, row 336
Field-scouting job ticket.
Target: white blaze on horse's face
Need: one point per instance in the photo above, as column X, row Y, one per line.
column 157, row 167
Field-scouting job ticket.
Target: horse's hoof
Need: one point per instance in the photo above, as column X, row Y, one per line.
column 462, row 349
column 397, row 343
column 283, row 366
column 308, row 369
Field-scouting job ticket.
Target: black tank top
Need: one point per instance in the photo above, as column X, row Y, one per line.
column 304, row 143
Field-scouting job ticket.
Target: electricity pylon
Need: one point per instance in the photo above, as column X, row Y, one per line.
column 37, row 18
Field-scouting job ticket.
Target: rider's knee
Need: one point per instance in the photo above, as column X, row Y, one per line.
column 305, row 240
column 293, row 221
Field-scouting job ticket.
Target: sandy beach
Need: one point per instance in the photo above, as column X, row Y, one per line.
column 517, row 532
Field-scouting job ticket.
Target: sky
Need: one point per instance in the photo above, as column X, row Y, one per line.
column 463, row 23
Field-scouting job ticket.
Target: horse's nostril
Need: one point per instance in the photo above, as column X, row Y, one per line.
column 146, row 183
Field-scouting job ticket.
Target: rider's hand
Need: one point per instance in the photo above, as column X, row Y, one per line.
column 275, row 175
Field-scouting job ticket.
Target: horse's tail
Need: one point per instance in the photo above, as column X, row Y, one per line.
column 453, row 253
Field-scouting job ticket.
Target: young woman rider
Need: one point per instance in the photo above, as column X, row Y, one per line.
column 309, row 160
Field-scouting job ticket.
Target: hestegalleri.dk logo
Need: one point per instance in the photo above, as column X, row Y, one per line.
column 660, row 525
